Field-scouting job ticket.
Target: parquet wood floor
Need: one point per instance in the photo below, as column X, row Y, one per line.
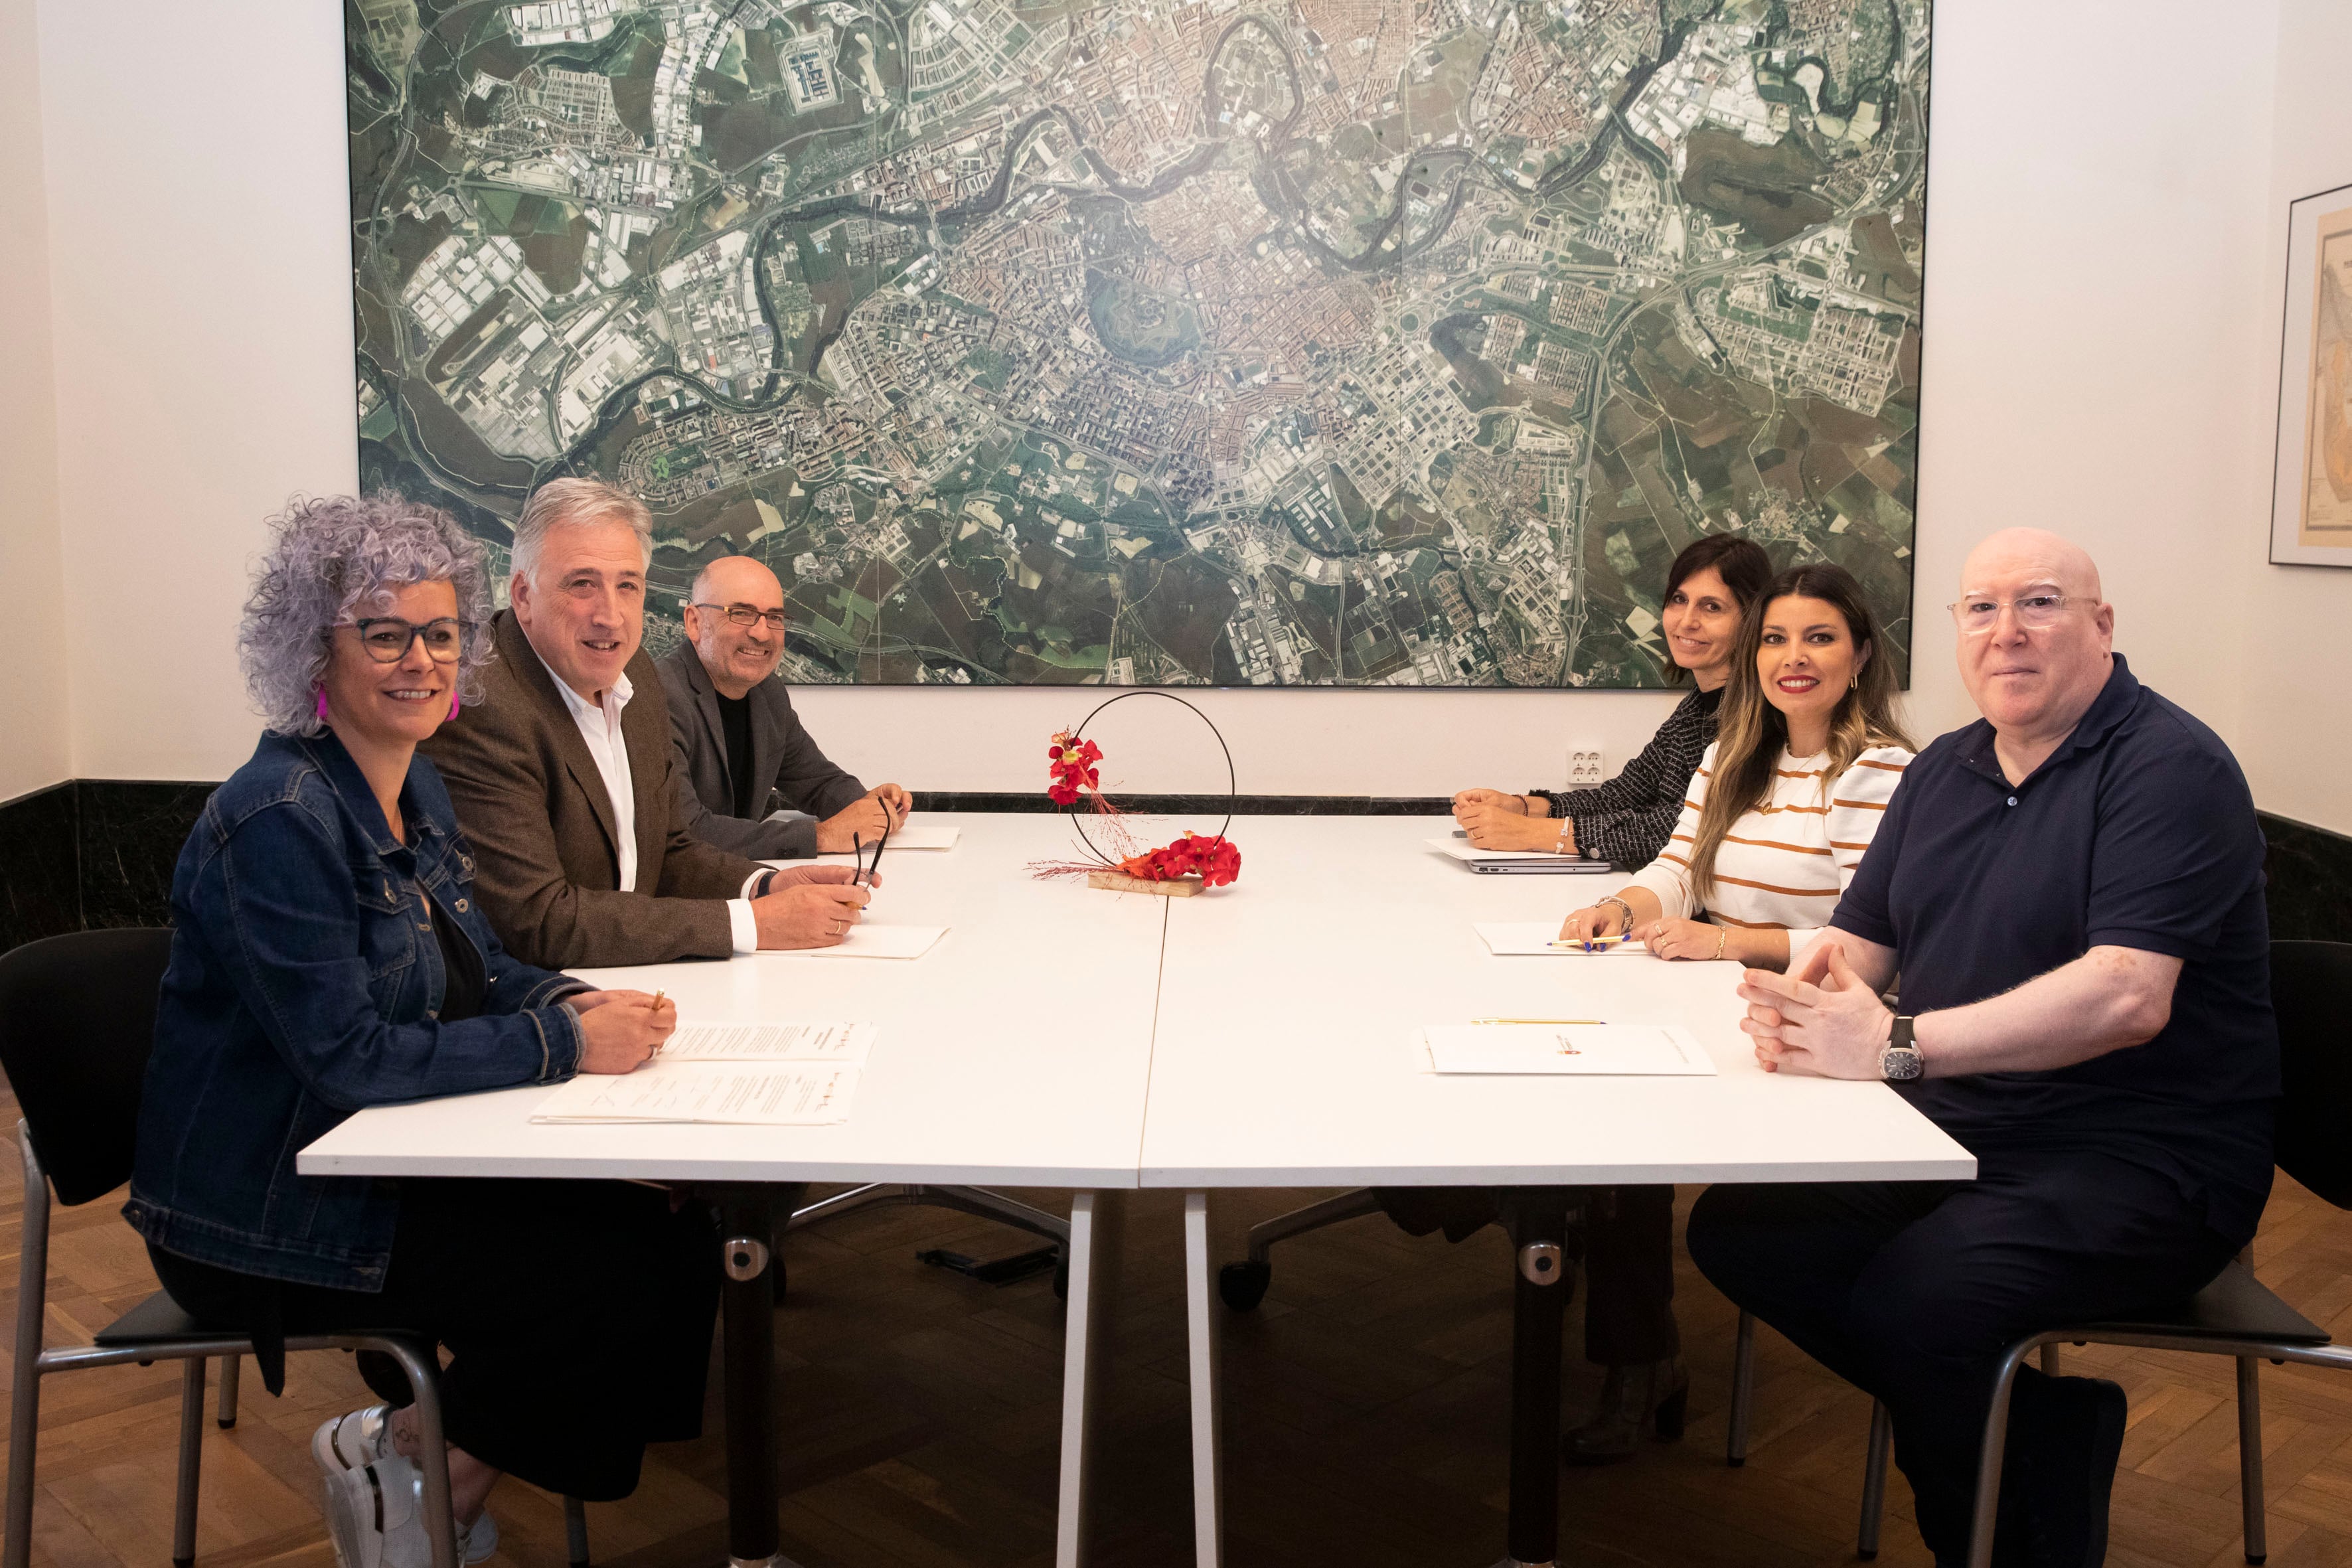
column 1366, row 1421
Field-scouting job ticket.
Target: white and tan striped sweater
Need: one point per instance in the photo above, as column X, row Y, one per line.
column 1783, row 864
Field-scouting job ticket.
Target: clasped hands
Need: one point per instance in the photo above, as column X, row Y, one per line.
column 1493, row 820
column 1820, row 1017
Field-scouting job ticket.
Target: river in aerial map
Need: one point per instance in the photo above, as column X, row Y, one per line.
column 1332, row 342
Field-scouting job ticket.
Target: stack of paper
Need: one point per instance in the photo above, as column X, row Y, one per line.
column 769, row 1075
column 1596, row 1049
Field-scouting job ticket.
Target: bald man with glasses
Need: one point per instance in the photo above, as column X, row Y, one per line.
column 742, row 750
column 2071, row 890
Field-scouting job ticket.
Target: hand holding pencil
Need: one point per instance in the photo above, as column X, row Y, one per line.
column 620, row 1031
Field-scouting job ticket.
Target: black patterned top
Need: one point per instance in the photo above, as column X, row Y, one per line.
column 1628, row 819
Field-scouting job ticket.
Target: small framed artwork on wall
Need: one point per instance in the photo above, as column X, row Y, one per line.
column 2311, row 494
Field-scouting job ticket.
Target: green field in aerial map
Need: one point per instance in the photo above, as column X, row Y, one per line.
column 1321, row 342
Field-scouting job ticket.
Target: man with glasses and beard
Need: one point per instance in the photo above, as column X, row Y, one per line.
column 743, row 751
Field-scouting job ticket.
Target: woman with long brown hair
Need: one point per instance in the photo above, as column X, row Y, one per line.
column 1807, row 752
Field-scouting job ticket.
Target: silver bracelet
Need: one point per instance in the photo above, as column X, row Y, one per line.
column 1621, row 904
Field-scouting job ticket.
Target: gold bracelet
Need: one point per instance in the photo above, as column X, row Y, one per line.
column 1722, row 935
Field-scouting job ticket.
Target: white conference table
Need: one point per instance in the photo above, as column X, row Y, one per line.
column 1259, row 1035
column 1285, row 1058
column 1015, row 1053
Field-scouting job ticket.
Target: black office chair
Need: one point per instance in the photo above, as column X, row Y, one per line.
column 2236, row 1315
column 77, row 1020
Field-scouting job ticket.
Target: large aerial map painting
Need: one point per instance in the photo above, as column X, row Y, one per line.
column 1336, row 342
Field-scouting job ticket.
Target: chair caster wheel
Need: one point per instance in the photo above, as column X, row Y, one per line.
column 1242, row 1285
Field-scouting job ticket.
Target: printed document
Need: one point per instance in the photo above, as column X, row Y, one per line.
column 1641, row 1051
column 1525, row 939
column 782, row 1094
column 845, row 1044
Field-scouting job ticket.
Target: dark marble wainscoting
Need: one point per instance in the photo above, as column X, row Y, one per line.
column 91, row 853
column 131, row 834
column 40, row 875
column 2310, row 881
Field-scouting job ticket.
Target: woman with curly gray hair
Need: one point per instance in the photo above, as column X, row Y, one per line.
column 327, row 954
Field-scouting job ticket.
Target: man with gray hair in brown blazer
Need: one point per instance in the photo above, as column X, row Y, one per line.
column 563, row 781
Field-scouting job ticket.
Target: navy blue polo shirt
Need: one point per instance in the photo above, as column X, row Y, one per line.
column 2137, row 832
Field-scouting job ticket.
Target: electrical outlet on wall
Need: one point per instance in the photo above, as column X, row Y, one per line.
column 1583, row 767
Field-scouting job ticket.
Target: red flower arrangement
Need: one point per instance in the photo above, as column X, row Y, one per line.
column 1072, row 774
column 1072, row 768
column 1216, row 861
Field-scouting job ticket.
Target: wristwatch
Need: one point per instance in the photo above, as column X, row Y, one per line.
column 1898, row 1059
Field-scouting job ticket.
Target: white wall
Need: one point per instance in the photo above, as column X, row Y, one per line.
column 200, row 263
column 2295, row 734
column 34, row 743
column 2100, row 320
column 2094, row 317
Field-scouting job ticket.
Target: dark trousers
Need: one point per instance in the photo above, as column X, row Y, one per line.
column 1628, row 1259
column 1911, row 1290
column 578, row 1316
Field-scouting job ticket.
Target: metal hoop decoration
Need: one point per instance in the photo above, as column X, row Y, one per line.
column 1232, row 789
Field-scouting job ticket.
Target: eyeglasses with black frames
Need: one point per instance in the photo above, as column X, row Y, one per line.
column 748, row 615
column 387, row 638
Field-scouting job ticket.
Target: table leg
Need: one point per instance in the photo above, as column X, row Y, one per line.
column 1539, row 1301
column 747, row 1312
column 1081, row 1355
column 1200, row 1325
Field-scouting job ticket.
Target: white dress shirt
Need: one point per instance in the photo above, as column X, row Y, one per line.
column 600, row 727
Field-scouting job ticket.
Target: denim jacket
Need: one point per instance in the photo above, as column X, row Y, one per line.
column 304, row 984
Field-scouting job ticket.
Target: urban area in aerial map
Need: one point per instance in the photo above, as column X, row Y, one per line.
column 1336, row 342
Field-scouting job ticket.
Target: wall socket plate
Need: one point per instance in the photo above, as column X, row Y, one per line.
column 1584, row 769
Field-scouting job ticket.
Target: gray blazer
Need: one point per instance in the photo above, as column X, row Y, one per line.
column 786, row 763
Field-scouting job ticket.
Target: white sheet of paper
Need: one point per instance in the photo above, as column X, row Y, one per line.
column 845, row 1044
column 872, row 941
column 1648, row 1050
column 1528, row 939
column 911, row 836
column 782, row 1095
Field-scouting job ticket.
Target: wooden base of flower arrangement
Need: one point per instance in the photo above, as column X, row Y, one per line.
column 1120, row 882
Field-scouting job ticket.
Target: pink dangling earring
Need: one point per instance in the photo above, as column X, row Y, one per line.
column 454, row 704
column 322, row 704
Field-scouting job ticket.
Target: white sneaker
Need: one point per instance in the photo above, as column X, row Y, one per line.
column 358, row 1438
column 353, row 1440
column 375, row 1516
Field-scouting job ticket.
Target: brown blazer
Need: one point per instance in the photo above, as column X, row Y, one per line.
column 534, row 810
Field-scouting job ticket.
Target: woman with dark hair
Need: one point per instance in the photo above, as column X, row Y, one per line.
column 1627, row 819
column 329, row 953
column 1779, row 813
